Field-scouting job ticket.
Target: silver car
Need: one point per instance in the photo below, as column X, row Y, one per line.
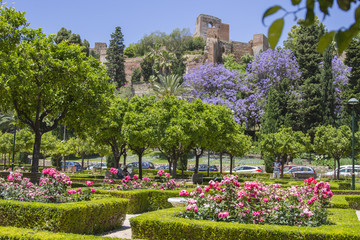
column 300, row 169
column 247, row 169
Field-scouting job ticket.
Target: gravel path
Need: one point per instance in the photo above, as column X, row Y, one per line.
column 125, row 231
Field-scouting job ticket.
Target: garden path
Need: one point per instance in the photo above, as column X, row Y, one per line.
column 125, row 231
column 358, row 214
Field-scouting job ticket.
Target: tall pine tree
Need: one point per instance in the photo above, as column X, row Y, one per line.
column 308, row 58
column 327, row 88
column 115, row 58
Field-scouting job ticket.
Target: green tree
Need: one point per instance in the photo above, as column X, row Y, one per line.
column 80, row 148
column 66, row 35
column 139, row 127
column 136, row 76
column 308, row 58
column 130, row 51
column 49, row 143
column 146, row 68
column 52, row 85
column 168, row 85
column 231, row 64
column 352, row 60
column 342, row 37
column 327, row 88
column 283, row 144
column 115, row 58
column 110, row 130
column 334, row 142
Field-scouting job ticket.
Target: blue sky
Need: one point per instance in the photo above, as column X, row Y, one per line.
column 96, row 20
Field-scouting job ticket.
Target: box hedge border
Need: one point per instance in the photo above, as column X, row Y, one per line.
column 86, row 217
column 164, row 224
column 14, row 233
column 144, row 200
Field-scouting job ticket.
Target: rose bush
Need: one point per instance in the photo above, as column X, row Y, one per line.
column 53, row 187
column 255, row 202
column 163, row 182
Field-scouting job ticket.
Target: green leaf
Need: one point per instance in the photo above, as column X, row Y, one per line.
column 357, row 14
column 295, row 2
column 310, row 17
column 325, row 41
column 275, row 31
column 343, row 38
column 325, row 5
column 271, row 11
column 344, row 4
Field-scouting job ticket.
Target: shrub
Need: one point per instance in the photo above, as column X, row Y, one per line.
column 165, row 224
column 12, row 233
column 344, row 186
column 144, row 200
column 136, row 76
column 88, row 217
column 354, row 202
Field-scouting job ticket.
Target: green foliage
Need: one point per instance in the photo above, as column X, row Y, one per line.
column 168, row 85
column 110, row 160
column 130, row 51
column 352, row 60
column 162, row 225
column 144, row 200
column 342, row 37
column 89, row 217
column 344, row 186
column 146, row 68
column 231, row 64
column 65, row 35
column 22, row 157
column 136, row 76
column 14, row 233
column 354, row 202
column 115, row 59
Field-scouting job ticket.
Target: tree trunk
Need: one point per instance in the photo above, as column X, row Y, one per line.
column 221, row 154
column 334, row 168
column 82, row 160
column 338, row 169
column 231, row 163
column 282, row 161
column 124, row 154
column 175, row 160
column 197, row 159
column 36, row 153
column 140, row 165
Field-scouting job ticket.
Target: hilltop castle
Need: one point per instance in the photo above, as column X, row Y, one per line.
column 216, row 35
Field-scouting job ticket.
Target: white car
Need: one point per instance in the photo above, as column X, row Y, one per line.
column 345, row 171
column 98, row 165
column 247, row 169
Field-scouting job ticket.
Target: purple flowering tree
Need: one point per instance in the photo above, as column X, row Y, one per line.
column 244, row 94
column 341, row 74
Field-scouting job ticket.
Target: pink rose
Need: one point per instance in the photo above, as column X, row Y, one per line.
column 135, row 177
column 93, row 190
column 184, row 193
column 71, row 191
column 89, row 183
column 265, row 200
column 223, row 214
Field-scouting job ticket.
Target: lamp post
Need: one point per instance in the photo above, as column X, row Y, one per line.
column 353, row 102
column 13, row 153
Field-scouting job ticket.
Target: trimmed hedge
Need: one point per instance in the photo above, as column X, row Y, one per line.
column 164, row 224
column 15, row 233
column 339, row 201
column 354, row 202
column 144, row 200
column 86, row 217
column 346, row 192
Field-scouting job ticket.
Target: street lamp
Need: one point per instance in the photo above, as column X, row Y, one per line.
column 353, row 102
column 13, row 156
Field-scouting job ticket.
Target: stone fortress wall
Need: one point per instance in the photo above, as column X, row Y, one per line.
column 217, row 37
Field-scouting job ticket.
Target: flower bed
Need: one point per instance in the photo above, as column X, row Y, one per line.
column 54, row 187
column 165, row 224
column 86, row 217
column 255, row 202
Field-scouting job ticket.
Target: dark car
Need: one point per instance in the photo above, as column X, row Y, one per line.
column 204, row 168
column 144, row 165
column 72, row 164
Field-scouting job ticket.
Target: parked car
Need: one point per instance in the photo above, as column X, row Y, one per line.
column 247, row 169
column 288, row 167
column 300, row 169
column 345, row 171
column 72, row 164
column 204, row 168
column 144, row 165
column 97, row 165
column 165, row 167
